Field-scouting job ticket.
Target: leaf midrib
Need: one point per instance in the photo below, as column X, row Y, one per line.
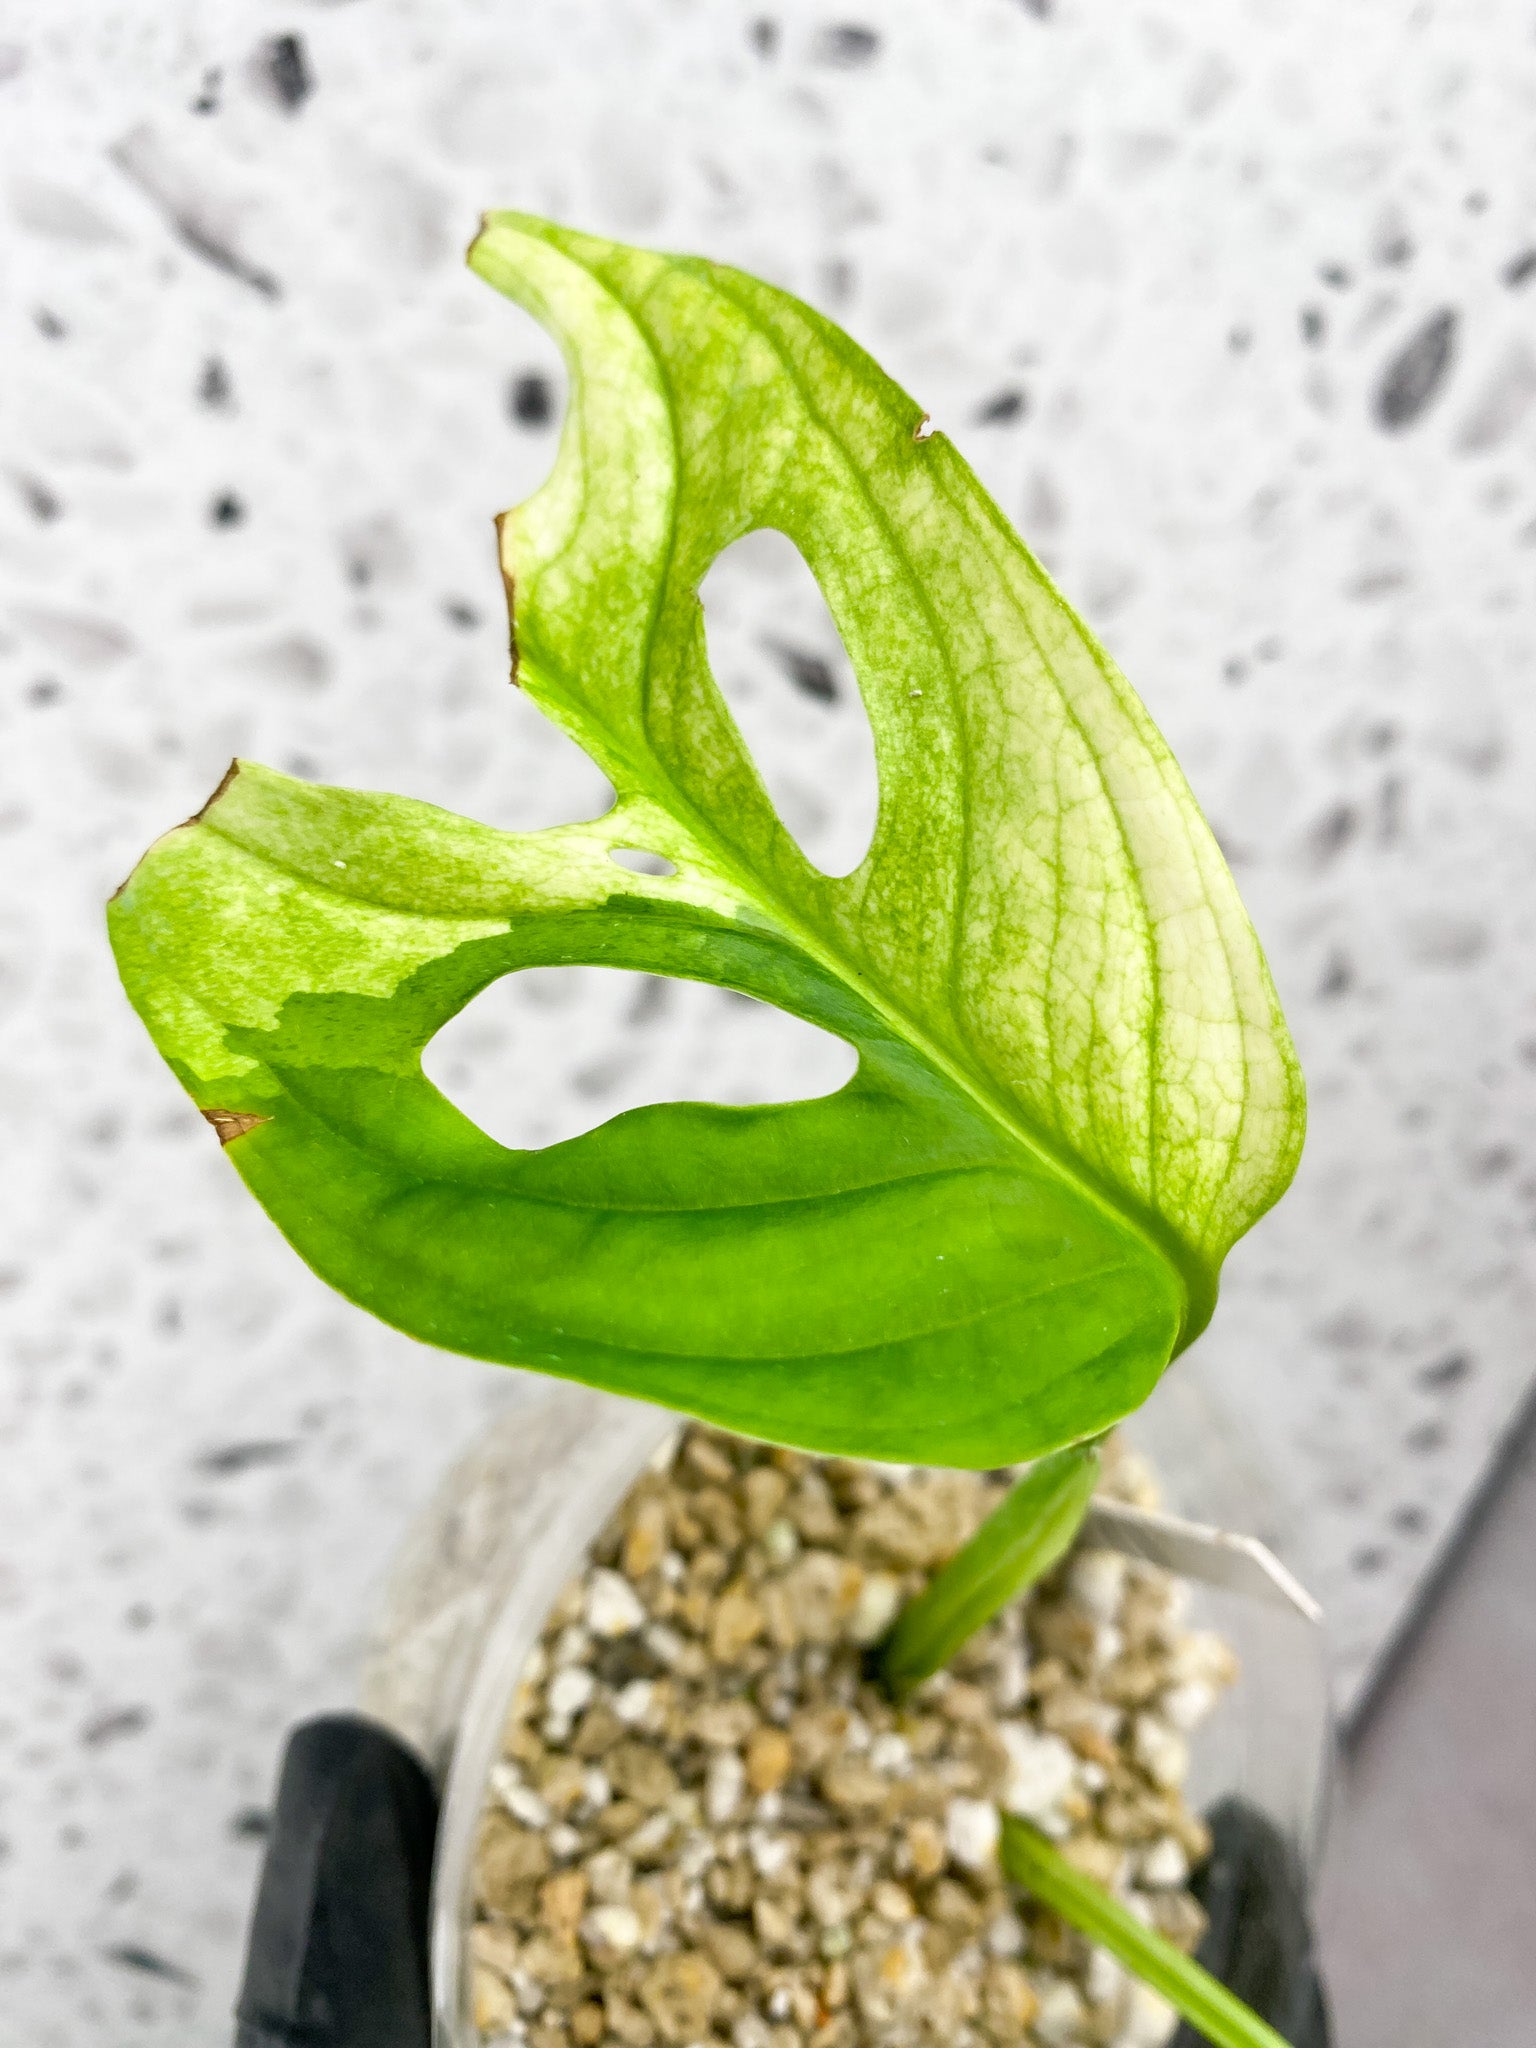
column 972, row 1085
column 1143, row 1217
column 1113, row 1200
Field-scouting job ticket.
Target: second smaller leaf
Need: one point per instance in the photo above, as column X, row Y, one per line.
column 1016, row 1545
column 1032, row 1861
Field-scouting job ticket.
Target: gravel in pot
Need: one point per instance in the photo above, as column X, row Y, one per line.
column 709, row 1823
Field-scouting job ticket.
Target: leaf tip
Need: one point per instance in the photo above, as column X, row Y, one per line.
column 196, row 818
column 225, row 781
column 472, row 248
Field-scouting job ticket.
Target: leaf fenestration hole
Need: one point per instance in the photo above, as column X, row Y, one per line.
column 640, row 861
column 548, row 1053
column 783, row 670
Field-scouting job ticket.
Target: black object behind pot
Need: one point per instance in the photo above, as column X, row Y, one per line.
column 338, row 1947
column 1259, row 1942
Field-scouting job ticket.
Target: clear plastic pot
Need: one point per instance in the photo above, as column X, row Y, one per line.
column 512, row 1520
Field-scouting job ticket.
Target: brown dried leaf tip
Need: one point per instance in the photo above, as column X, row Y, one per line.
column 509, row 583
column 225, row 780
column 233, row 1123
column 196, row 818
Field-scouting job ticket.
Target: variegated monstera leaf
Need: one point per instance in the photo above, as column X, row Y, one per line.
column 1074, row 1086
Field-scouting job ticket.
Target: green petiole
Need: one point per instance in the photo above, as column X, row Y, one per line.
column 1033, row 1862
column 1016, row 1545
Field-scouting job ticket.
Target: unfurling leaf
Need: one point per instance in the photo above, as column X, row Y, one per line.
column 1074, row 1091
column 1036, row 1864
column 1015, row 1546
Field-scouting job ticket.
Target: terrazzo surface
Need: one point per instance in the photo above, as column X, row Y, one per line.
column 1232, row 308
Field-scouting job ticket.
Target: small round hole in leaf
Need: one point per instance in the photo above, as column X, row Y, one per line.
column 640, row 861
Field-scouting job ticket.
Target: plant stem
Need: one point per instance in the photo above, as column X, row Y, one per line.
column 1030, row 1860
column 1018, row 1543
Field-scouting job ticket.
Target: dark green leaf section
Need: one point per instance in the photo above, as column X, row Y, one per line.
column 1015, row 1546
column 1074, row 1087
column 1039, row 1867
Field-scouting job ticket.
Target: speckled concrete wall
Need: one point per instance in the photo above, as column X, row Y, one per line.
column 1231, row 305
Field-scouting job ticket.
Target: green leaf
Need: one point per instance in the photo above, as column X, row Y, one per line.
column 1031, row 1530
column 1031, row 1861
column 1075, row 1089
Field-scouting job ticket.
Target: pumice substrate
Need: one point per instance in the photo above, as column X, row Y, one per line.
column 710, row 1825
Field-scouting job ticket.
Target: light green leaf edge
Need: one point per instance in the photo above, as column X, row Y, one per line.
column 1038, row 1866
column 1075, row 1086
column 1029, row 1531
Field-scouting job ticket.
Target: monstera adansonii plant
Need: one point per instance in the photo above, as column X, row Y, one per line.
column 1074, row 1090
